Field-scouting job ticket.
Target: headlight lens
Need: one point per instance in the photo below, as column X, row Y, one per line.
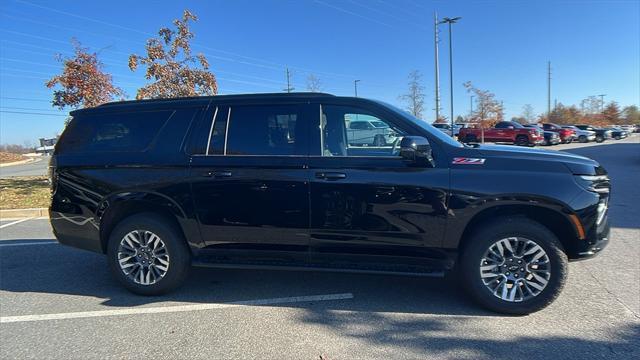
column 595, row 183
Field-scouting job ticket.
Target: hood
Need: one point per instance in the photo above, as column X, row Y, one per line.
column 577, row 164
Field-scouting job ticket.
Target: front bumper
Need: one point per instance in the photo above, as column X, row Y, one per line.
column 589, row 248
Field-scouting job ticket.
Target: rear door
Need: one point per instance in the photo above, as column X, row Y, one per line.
column 250, row 178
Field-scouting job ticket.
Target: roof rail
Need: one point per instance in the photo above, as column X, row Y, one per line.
column 234, row 96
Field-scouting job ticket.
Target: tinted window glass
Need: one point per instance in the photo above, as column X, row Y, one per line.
column 217, row 132
column 113, row 132
column 266, row 130
column 342, row 133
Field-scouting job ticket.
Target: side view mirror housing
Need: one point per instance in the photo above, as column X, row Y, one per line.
column 416, row 150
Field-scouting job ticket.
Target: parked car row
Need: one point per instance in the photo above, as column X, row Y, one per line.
column 511, row 132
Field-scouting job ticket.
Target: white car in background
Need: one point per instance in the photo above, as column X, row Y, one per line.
column 582, row 136
column 446, row 128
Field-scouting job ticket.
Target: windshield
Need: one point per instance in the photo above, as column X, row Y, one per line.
column 379, row 124
column 423, row 124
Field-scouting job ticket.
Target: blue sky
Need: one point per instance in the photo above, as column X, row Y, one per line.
column 502, row 46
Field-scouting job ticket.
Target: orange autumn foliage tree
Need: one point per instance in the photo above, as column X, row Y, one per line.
column 83, row 83
column 169, row 64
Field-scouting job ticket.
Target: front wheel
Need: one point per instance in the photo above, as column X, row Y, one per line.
column 583, row 139
column 514, row 266
column 148, row 255
column 599, row 138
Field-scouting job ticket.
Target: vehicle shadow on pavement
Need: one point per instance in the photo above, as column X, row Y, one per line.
column 56, row 269
column 623, row 165
column 431, row 337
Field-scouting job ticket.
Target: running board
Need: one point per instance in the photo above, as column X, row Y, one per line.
column 320, row 268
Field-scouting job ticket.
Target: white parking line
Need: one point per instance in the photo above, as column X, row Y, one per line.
column 29, row 243
column 172, row 309
column 14, row 222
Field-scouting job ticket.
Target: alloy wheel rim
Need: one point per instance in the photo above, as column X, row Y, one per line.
column 143, row 257
column 515, row 269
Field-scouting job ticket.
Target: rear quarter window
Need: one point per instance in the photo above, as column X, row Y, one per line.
column 131, row 131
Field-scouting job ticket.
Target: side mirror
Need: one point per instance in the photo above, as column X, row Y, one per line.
column 417, row 150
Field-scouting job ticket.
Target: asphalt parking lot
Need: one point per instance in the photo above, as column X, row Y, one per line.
column 58, row 302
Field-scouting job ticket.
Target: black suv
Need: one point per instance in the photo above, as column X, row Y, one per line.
column 282, row 181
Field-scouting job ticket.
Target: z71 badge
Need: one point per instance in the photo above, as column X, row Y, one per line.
column 467, row 161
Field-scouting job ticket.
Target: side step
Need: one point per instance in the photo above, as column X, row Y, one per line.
column 385, row 269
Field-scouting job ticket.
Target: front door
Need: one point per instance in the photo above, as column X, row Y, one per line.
column 366, row 200
column 250, row 182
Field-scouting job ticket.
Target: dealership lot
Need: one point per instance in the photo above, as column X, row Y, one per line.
column 58, row 302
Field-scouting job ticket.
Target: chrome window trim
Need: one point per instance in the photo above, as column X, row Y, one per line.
column 226, row 131
column 213, row 121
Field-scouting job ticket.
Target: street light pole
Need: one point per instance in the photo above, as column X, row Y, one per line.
column 471, row 105
column 602, row 104
column 450, row 21
column 355, row 86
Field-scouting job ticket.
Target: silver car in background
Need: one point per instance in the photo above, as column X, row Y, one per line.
column 582, row 136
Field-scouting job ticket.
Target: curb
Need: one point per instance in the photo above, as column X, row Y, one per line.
column 18, row 162
column 24, row 213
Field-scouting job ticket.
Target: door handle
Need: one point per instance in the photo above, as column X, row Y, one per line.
column 217, row 174
column 331, row 175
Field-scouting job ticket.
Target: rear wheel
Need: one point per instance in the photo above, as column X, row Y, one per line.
column 599, row 138
column 514, row 266
column 148, row 255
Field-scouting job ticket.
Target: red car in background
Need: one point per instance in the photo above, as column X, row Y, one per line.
column 504, row 132
column 566, row 135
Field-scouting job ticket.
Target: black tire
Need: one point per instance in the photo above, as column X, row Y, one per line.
column 503, row 228
column 175, row 244
column 599, row 138
column 470, row 139
column 617, row 137
column 522, row 140
column 582, row 139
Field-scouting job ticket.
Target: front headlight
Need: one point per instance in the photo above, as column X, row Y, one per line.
column 595, row 183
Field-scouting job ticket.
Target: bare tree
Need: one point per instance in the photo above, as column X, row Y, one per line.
column 313, row 83
column 415, row 97
column 528, row 114
column 488, row 110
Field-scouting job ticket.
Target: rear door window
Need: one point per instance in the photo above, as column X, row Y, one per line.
column 267, row 130
column 113, row 132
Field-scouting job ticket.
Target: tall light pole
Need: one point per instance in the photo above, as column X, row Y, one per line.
column 471, row 106
column 289, row 87
column 602, row 104
column 450, row 21
column 548, row 90
column 355, row 86
column 436, row 41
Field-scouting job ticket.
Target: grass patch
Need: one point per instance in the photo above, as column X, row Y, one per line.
column 24, row 192
column 6, row 157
